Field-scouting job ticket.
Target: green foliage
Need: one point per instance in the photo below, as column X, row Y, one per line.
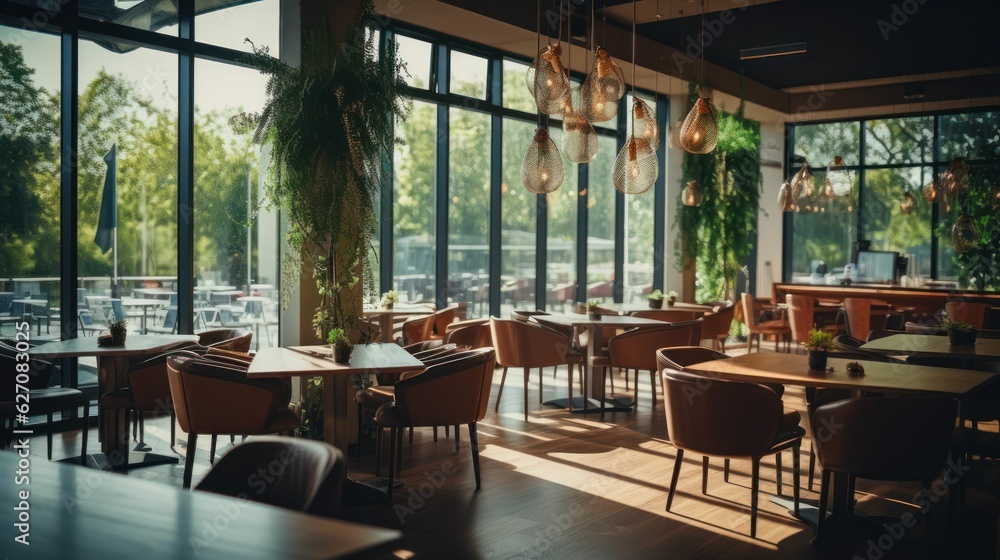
column 719, row 234
column 390, row 297
column 957, row 326
column 819, row 340
column 336, row 336
column 117, row 325
column 979, row 268
column 331, row 124
column 656, row 295
column 593, row 305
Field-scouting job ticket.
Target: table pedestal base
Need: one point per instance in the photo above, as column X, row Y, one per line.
column 136, row 459
column 593, row 405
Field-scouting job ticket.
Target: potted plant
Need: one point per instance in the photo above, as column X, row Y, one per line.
column 592, row 307
column 959, row 333
column 655, row 299
column 340, row 345
column 671, row 298
column 389, row 298
column 118, row 329
column 817, row 345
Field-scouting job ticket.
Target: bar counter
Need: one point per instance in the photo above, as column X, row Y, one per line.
column 925, row 299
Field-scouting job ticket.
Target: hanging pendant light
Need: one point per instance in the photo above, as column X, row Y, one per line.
column 602, row 89
column 964, row 235
column 804, row 183
column 906, row 206
column 995, row 197
column 674, row 133
column 785, row 199
column 838, row 180
column 579, row 137
column 644, row 123
column 691, row 195
column 542, row 167
column 547, row 80
column 955, row 179
column 636, row 167
column 700, row 132
column 930, row 192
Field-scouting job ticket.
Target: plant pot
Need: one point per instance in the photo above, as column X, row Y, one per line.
column 387, row 305
column 118, row 338
column 594, row 316
column 671, row 301
column 957, row 338
column 342, row 353
column 656, row 303
column 817, row 360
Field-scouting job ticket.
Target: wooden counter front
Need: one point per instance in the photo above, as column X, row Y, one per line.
column 928, row 300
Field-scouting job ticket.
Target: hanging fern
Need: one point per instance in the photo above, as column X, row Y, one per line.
column 719, row 235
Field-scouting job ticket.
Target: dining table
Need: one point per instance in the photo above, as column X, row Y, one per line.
column 387, row 316
column 28, row 302
column 879, row 377
column 595, row 331
column 72, row 513
column 112, row 374
column 921, row 345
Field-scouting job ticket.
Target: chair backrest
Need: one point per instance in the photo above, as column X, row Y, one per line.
column 865, row 319
column 237, row 340
column 885, row 439
column 443, row 318
column 310, row 474
column 716, row 324
column 170, row 319
column 723, row 418
column 418, row 329
column 680, row 357
column 527, row 345
column 524, row 315
column 473, row 336
column 750, row 315
column 149, row 382
column 801, row 316
column 452, row 392
column 668, row 315
column 86, row 318
column 637, row 349
column 966, row 312
column 116, row 308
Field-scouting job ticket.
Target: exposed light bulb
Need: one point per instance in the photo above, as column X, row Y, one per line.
column 545, row 175
column 548, row 82
column 635, row 169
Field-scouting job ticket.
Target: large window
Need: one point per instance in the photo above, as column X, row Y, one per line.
column 601, row 222
column 518, row 265
column 887, row 207
column 415, row 177
column 468, row 210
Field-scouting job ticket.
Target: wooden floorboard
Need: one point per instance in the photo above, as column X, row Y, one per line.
column 568, row 486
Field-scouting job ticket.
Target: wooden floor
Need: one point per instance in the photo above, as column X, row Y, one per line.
column 567, row 486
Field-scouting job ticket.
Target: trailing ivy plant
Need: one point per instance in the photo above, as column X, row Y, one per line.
column 978, row 268
column 330, row 124
column 719, row 235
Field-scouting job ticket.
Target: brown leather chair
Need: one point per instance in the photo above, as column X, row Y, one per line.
column 883, row 439
column 442, row 319
column 526, row 346
column 778, row 328
column 474, row 334
column 636, row 349
column 715, row 325
column 215, row 397
column 729, row 419
column 41, row 398
column 418, row 329
column 667, row 315
column 966, row 312
column 237, row 340
column 802, row 318
column 311, row 477
column 450, row 393
column 866, row 318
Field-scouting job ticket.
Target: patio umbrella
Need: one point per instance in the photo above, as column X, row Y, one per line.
column 107, row 222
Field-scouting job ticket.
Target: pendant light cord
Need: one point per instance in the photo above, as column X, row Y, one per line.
column 701, row 40
column 633, row 66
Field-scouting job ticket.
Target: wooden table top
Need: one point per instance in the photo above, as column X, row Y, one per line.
column 399, row 310
column 578, row 320
column 315, row 360
column 80, row 513
column 678, row 306
column 882, row 377
column 935, row 345
column 87, row 346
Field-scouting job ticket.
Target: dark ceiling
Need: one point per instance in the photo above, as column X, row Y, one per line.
column 846, row 41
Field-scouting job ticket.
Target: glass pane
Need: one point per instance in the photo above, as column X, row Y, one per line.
column 29, row 191
column 905, row 140
column 149, row 15
column 130, row 122
column 601, row 222
column 518, row 216
column 818, row 144
column 469, row 210
column 886, row 226
column 414, row 178
column 416, row 55
column 231, row 23
column 515, row 88
column 235, row 243
column 560, row 254
column 822, row 233
column 639, row 245
column 468, row 75
column 971, row 136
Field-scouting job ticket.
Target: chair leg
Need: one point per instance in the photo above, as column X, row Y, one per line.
column 392, row 458
column 635, row 389
column 725, row 470
column 192, row 445
column 474, row 442
column 754, row 486
column 704, row 474
column 142, row 425
column 135, row 423
column 569, row 386
column 447, row 432
column 360, row 434
column 527, row 374
column 410, row 436
column 652, row 384
column 777, row 471
column 457, row 438
column 812, row 464
column 399, row 450
column 48, row 433
column 796, row 476
column 503, row 378
column 211, row 454
column 85, row 429
column 824, row 493
column 173, row 428
column 435, row 433
column 379, row 431
column 604, row 385
column 674, row 477
column 541, row 377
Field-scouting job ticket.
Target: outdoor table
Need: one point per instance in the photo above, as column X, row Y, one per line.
column 386, row 317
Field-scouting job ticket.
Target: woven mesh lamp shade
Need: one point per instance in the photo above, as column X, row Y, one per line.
column 930, row 192
column 547, row 80
column 579, row 138
column 785, row 199
column 636, row 167
column 964, row 235
column 542, row 167
column 644, row 123
column 602, row 89
column 838, row 181
column 955, row 179
column 674, row 133
column 803, row 183
column 700, row 131
column 906, row 206
column 691, row 195
column 995, row 197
